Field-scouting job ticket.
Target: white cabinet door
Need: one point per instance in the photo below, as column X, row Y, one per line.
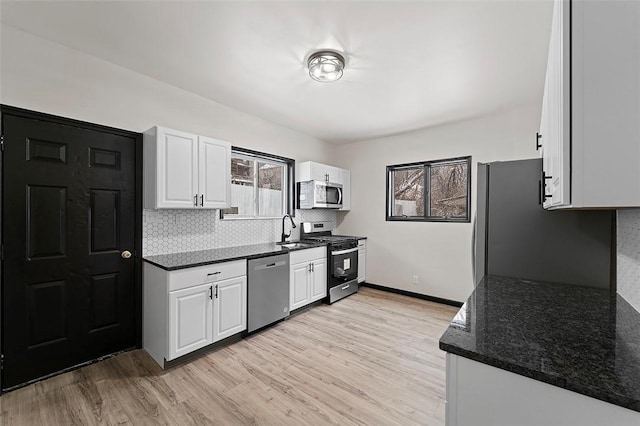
column 362, row 264
column 556, row 153
column 318, row 280
column 190, row 320
column 214, row 182
column 229, row 307
column 319, row 171
column 176, row 174
column 346, row 190
column 299, row 285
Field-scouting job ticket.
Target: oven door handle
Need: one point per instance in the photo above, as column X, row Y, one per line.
column 336, row 253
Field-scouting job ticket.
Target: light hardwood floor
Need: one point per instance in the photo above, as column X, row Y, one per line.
column 371, row 359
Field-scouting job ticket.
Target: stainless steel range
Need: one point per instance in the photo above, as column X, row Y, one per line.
column 342, row 253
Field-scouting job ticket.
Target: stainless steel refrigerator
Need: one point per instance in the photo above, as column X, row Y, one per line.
column 515, row 237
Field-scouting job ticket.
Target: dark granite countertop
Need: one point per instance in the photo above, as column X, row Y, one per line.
column 582, row 339
column 190, row 259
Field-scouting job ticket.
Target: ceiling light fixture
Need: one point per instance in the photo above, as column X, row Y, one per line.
column 326, row 66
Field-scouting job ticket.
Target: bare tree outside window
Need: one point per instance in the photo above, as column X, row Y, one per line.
column 448, row 183
column 430, row 190
column 408, row 192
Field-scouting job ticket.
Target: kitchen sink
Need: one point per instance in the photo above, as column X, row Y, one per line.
column 296, row 245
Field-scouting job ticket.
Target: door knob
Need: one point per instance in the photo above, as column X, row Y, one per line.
column 125, row 254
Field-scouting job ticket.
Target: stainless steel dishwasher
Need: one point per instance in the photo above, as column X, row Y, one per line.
column 267, row 291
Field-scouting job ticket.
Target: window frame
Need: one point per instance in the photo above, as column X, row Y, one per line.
column 288, row 186
column 427, row 196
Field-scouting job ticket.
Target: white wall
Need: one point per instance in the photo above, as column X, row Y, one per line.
column 439, row 253
column 44, row 76
column 628, row 273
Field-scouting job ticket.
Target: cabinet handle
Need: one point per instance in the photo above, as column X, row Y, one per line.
column 542, row 188
column 202, row 200
column 313, row 267
column 309, row 268
column 211, row 292
column 216, row 291
column 195, row 200
column 538, row 145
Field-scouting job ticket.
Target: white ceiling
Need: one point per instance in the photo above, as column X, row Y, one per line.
column 409, row 64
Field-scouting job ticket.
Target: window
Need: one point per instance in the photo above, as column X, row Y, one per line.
column 430, row 191
column 261, row 185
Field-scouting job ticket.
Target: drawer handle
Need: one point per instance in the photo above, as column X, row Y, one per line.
column 213, row 273
column 346, row 286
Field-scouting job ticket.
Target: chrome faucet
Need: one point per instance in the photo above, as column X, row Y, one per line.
column 284, row 236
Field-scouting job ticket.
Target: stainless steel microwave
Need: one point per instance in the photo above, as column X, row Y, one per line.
column 315, row 194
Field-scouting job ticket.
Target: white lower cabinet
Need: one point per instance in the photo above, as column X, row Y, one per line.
column 482, row 395
column 229, row 307
column 190, row 319
column 182, row 314
column 308, row 276
column 318, row 278
column 362, row 261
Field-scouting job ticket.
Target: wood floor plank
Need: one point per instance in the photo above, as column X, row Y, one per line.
column 370, row 359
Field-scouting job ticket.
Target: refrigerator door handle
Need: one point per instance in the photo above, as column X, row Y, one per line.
column 473, row 250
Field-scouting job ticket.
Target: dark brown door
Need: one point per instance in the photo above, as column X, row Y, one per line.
column 69, row 214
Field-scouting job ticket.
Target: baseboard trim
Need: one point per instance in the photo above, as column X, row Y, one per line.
column 412, row 294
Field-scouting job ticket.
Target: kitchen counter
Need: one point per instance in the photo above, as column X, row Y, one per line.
column 581, row 339
column 173, row 261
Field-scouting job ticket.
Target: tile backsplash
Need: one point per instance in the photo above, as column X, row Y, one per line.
column 628, row 280
column 174, row 231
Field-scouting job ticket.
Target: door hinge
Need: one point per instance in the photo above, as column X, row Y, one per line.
column 2, row 362
column 2, row 143
column 2, row 252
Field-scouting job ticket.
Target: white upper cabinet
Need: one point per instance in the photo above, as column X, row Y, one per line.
column 589, row 132
column 310, row 170
column 185, row 171
column 214, row 180
column 171, row 173
column 346, row 190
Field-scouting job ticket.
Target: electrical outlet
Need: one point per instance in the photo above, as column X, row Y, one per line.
column 415, row 279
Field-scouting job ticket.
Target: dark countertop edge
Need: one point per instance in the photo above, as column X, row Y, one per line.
column 208, row 262
column 282, row 250
column 614, row 399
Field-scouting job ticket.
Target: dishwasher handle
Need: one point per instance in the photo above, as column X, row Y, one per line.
column 262, row 266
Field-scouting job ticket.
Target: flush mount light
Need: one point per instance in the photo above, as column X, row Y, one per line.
column 326, row 66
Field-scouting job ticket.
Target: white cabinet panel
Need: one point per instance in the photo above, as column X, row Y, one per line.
column 318, row 285
column 589, row 130
column 346, row 190
column 190, row 320
column 308, row 276
column 214, row 173
column 230, row 307
column 176, row 176
column 362, row 261
column 299, row 286
column 482, row 395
